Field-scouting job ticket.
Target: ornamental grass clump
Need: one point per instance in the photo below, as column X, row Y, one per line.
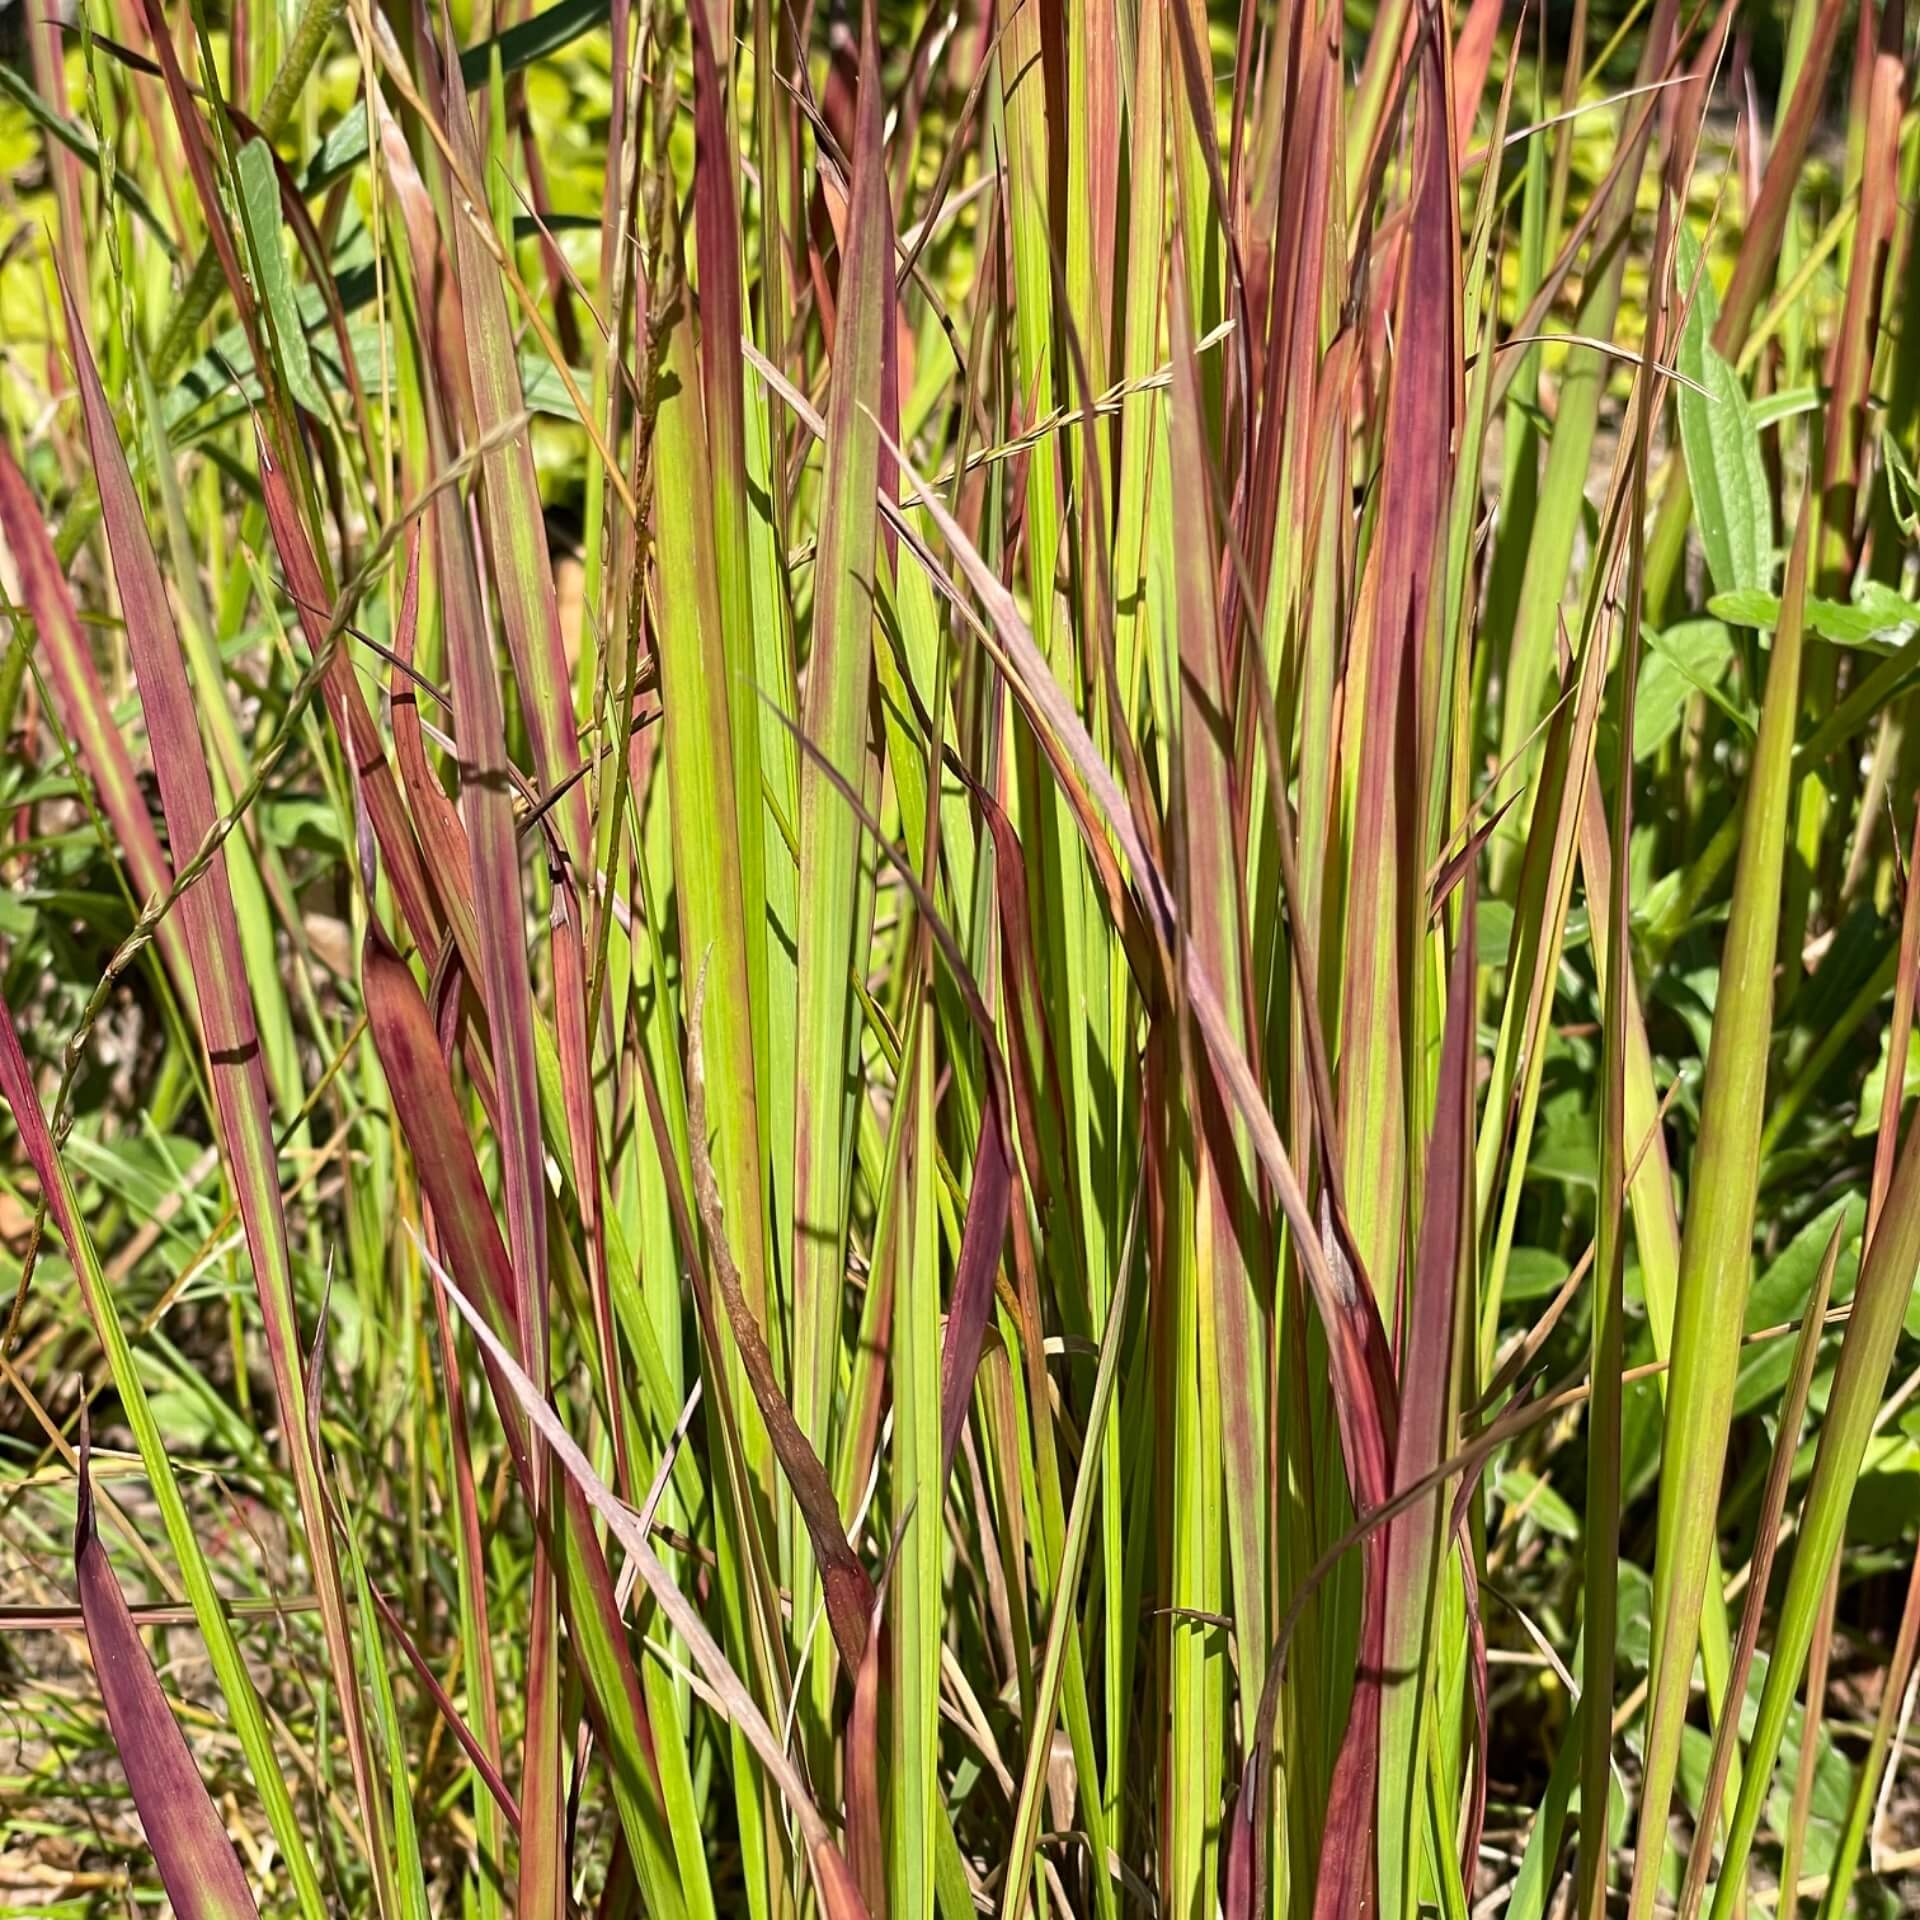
column 962, row 959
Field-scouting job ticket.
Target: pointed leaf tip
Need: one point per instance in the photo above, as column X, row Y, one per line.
column 198, row 1866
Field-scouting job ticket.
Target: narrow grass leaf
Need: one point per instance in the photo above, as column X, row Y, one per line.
column 849, row 1590
column 982, row 1240
column 85, row 712
column 431, row 895
column 1716, row 1249
column 197, row 1863
column 1866, row 1353
column 723, row 376
column 835, row 721
column 468, row 1231
column 226, row 1010
column 515, row 527
column 209, row 1610
column 838, row 1892
column 1442, row 1274
column 1773, row 1503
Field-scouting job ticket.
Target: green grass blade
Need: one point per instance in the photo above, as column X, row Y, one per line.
column 836, row 721
column 1715, row 1250
column 1866, row 1353
column 516, row 529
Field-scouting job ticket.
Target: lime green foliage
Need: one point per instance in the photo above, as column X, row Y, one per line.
column 960, row 959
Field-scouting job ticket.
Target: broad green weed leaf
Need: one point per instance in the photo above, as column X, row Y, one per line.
column 1634, row 1628
column 1534, row 1273
column 1747, row 607
column 1882, row 622
column 1903, row 487
column 1902, row 615
column 1687, row 659
column 1780, row 1295
column 1732, row 503
column 1519, row 1488
column 1832, row 1791
column 1769, row 409
column 1495, row 932
column 260, row 208
column 1868, row 1119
